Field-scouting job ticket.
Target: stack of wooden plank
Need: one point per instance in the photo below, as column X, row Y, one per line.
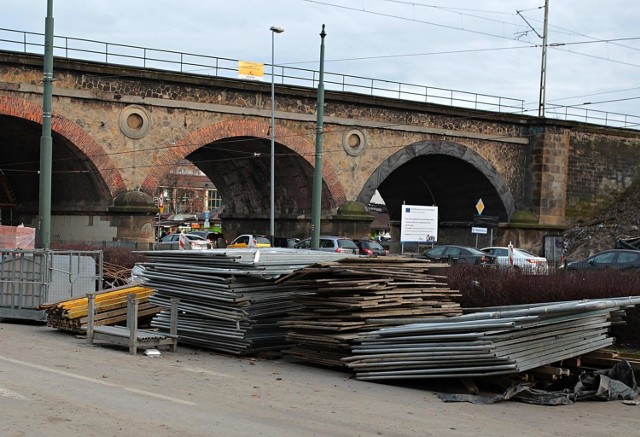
column 111, row 308
column 341, row 300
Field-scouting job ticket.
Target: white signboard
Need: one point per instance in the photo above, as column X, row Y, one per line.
column 419, row 224
column 475, row 230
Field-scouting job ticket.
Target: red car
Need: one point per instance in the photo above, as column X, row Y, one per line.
column 370, row 248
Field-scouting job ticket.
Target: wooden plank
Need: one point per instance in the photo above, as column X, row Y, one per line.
column 608, row 362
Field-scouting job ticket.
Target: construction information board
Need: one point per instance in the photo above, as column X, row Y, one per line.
column 419, row 224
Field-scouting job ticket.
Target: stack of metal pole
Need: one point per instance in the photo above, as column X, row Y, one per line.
column 494, row 341
column 228, row 297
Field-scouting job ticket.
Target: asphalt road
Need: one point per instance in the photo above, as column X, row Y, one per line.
column 53, row 384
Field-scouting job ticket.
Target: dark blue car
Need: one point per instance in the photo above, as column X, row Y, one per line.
column 615, row 259
column 458, row 254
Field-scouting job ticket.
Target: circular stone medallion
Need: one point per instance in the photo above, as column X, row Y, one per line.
column 134, row 121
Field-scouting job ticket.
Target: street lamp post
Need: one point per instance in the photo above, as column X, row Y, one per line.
column 316, row 194
column 46, row 141
column 272, row 225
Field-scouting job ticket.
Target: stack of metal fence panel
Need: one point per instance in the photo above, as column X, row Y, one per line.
column 110, row 306
column 337, row 298
column 490, row 342
column 228, row 297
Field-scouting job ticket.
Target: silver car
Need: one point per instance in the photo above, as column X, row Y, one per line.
column 329, row 243
column 522, row 260
column 172, row 242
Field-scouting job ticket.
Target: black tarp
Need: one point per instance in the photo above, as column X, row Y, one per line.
column 617, row 383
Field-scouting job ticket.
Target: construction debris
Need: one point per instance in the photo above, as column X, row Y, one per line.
column 115, row 275
column 494, row 341
column 111, row 308
column 610, row 222
column 615, row 383
column 341, row 300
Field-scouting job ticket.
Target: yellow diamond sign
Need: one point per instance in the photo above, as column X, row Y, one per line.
column 480, row 206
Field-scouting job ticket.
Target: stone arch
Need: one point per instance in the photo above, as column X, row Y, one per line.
column 445, row 148
column 237, row 127
column 73, row 133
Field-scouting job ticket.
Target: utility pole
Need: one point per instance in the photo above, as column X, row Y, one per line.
column 543, row 69
column 46, row 142
column 316, row 196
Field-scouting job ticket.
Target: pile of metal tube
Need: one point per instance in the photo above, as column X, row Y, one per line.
column 228, row 299
column 494, row 341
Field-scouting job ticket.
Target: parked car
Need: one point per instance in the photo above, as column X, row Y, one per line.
column 370, row 248
column 523, row 260
column 215, row 238
column 172, row 242
column 384, row 241
column 285, row 241
column 615, row 259
column 247, row 240
column 329, row 243
column 458, row 254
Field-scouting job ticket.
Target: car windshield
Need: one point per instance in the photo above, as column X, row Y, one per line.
column 374, row 245
column 347, row 244
column 604, row 258
column 436, row 251
column 525, row 253
column 474, row 251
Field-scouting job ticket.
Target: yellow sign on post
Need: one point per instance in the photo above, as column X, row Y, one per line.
column 250, row 70
column 480, row 206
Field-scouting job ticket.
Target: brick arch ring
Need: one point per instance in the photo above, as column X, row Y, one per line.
column 242, row 127
column 455, row 150
column 27, row 110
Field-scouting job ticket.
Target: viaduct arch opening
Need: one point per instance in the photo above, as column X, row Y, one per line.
column 77, row 184
column 439, row 173
column 240, row 169
column 235, row 155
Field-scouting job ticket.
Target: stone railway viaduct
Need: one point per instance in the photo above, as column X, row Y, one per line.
column 118, row 130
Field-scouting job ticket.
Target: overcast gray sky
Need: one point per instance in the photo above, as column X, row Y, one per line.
column 480, row 46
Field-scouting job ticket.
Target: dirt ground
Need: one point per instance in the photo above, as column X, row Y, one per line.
column 52, row 383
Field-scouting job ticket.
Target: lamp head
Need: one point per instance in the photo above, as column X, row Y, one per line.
column 276, row 29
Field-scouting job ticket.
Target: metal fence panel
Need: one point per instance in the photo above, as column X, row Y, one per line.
column 30, row 278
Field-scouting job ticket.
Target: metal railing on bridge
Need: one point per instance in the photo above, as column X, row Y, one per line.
column 135, row 56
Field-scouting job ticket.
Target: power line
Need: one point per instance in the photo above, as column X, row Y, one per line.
column 445, row 26
column 411, row 55
column 596, row 94
column 594, row 56
column 478, row 50
column 613, row 41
